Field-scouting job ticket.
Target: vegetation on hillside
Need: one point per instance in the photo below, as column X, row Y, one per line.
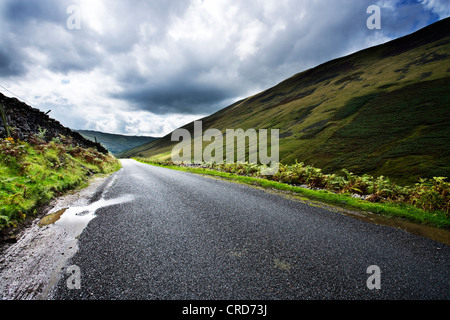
column 34, row 172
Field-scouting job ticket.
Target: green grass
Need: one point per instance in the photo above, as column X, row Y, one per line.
column 407, row 212
column 33, row 174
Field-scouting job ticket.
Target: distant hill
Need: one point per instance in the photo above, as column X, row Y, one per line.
column 115, row 143
column 382, row 111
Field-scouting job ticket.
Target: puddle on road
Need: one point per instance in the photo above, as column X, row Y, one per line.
column 79, row 217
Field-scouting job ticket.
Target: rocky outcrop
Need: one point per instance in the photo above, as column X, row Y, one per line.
column 26, row 121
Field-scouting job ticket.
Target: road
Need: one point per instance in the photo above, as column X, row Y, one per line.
column 167, row 234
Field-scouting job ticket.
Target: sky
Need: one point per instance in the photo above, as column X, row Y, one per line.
column 140, row 67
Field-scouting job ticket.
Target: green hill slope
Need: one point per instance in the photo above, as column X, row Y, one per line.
column 115, row 143
column 381, row 111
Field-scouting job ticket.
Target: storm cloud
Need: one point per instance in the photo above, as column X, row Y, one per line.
column 147, row 67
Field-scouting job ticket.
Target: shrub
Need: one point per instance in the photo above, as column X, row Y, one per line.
column 12, row 153
column 431, row 195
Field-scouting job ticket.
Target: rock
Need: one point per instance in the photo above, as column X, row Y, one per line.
column 27, row 121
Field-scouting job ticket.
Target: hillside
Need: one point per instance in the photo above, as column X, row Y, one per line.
column 22, row 121
column 115, row 143
column 380, row 111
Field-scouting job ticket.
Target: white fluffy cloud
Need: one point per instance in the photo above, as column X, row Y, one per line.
column 148, row 67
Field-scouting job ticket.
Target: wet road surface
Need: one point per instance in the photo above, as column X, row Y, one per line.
column 169, row 235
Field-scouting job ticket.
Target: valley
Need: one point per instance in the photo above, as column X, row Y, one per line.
column 379, row 111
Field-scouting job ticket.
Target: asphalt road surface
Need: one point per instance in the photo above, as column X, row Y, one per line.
column 171, row 235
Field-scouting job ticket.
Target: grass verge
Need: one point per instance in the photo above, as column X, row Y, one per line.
column 33, row 173
column 407, row 212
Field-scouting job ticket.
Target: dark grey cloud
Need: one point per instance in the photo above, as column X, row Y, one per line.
column 181, row 96
column 41, row 25
column 37, row 36
column 10, row 65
